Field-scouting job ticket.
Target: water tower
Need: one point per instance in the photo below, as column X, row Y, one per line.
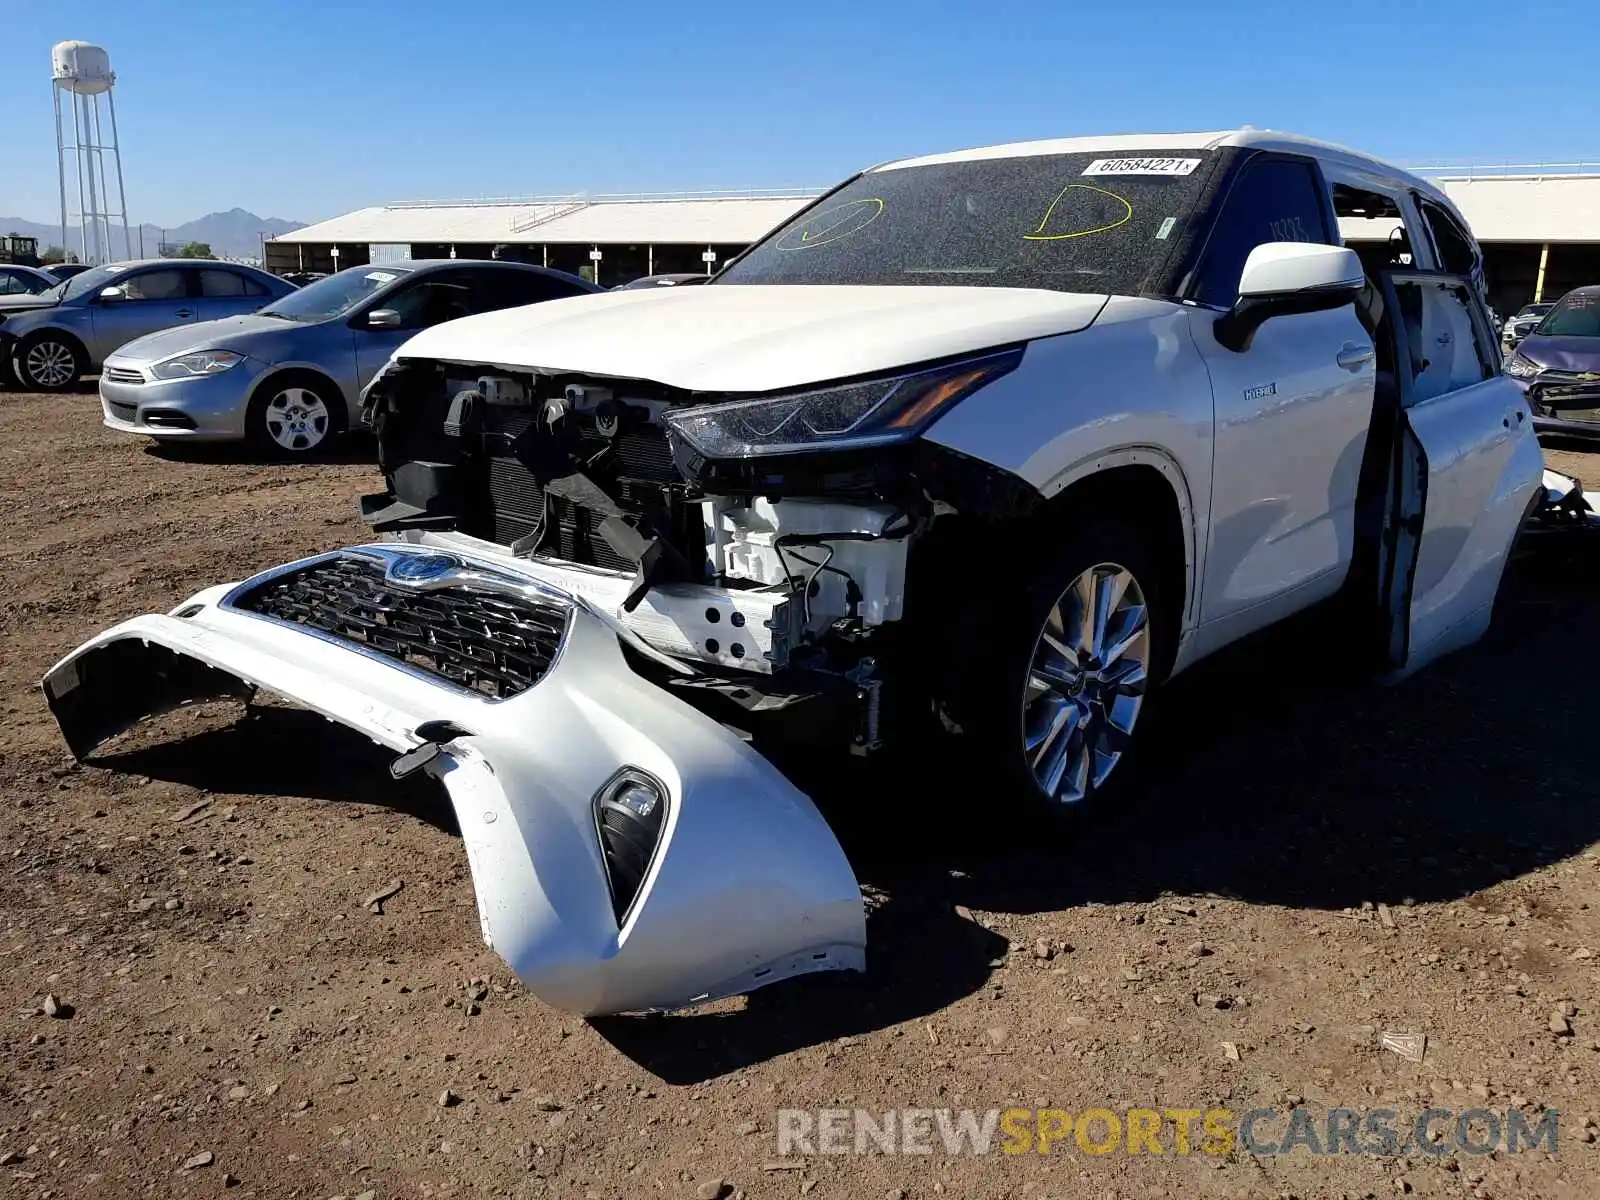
column 81, row 71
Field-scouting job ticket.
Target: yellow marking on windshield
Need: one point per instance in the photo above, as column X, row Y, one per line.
column 1039, row 234
column 852, row 217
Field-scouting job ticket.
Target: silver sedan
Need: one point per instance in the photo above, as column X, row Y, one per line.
column 51, row 340
column 289, row 377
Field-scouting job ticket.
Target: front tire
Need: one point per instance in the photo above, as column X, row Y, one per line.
column 48, row 362
column 1058, row 702
column 292, row 418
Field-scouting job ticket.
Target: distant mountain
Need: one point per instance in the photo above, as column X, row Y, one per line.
column 235, row 233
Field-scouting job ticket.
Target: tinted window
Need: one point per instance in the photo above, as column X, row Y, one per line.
column 13, row 285
column 220, row 284
column 432, row 300
column 1274, row 200
column 508, row 289
column 156, row 285
column 1068, row 222
column 1456, row 252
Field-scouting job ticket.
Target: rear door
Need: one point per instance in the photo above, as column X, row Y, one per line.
column 225, row 293
column 152, row 298
column 1459, row 467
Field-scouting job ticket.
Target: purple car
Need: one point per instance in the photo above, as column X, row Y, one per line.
column 1558, row 366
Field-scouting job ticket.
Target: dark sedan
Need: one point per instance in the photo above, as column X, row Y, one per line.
column 1558, row 366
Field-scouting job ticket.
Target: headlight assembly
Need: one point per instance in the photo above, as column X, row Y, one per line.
column 875, row 412
column 201, row 362
column 1522, row 367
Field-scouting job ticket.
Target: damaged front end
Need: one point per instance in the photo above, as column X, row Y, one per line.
column 597, row 599
column 628, row 852
column 769, row 539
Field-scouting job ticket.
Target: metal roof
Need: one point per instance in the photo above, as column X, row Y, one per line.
column 693, row 220
column 1501, row 202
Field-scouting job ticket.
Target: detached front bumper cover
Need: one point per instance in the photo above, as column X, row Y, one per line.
column 539, row 722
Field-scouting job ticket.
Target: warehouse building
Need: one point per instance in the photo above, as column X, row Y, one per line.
column 611, row 238
column 1539, row 227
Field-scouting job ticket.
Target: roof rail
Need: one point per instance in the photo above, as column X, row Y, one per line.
column 550, row 213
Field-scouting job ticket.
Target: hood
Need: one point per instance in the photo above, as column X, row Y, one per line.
column 754, row 337
column 241, row 334
column 11, row 304
column 1562, row 353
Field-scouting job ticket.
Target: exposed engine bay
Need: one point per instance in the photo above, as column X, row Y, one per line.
column 786, row 579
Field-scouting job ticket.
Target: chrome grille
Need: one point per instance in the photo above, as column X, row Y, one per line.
column 121, row 375
column 489, row 643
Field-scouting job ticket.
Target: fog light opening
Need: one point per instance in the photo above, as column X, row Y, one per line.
column 630, row 813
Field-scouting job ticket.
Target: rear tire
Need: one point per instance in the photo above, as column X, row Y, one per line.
column 1055, row 705
column 48, row 362
column 294, row 417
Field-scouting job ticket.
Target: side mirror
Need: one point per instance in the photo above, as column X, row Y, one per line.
column 383, row 318
column 1282, row 279
column 110, row 294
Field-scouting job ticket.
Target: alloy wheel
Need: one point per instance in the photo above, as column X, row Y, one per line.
column 297, row 419
column 50, row 364
column 1086, row 684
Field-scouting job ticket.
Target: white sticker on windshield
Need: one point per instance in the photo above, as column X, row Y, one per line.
column 1142, row 166
column 382, row 276
column 1166, row 228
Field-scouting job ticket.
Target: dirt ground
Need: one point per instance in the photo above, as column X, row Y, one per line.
column 235, row 1007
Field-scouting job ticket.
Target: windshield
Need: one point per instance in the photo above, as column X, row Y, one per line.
column 87, row 281
column 1577, row 315
column 1534, row 310
column 334, row 296
column 1073, row 222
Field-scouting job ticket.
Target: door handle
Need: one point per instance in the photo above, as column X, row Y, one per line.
column 1353, row 357
column 184, row 312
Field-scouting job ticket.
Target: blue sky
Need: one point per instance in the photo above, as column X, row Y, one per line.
column 307, row 108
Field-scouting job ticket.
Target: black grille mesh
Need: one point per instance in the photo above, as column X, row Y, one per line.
column 496, row 645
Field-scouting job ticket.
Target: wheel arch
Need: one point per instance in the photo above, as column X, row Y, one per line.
column 64, row 332
column 1149, row 483
column 17, row 340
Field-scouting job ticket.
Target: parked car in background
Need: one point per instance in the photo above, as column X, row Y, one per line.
column 290, row 376
column 24, row 281
column 650, row 281
column 55, row 338
column 301, row 278
column 1521, row 323
column 1557, row 366
column 66, row 270
column 970, row 442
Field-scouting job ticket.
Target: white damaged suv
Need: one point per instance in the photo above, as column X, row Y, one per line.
column 1001, row 438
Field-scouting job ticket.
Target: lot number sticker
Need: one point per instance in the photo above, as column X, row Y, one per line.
column 1142, row 166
